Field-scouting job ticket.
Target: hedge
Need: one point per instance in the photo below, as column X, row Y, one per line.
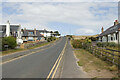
column 10, row 41
column 105, row 44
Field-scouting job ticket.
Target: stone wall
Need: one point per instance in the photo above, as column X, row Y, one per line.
column 28, row 45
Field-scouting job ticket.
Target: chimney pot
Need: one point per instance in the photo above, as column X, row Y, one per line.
column 116, row 22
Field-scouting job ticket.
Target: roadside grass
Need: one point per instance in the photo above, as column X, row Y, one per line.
column 95, row 67
column 12, row 51
column 19, row 49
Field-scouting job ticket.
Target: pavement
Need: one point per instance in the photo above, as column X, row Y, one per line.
column 68, row 67
column 37, row 65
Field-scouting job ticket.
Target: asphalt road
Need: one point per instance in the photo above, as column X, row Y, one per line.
column 21, row 53
column 37, row 65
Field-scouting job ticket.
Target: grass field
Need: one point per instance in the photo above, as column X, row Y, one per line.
column 95, row 67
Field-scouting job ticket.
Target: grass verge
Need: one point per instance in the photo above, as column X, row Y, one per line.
column 19, row 49
column 95, row 67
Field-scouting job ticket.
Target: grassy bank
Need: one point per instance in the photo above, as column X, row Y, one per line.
column 19, row 49
column 95, row 67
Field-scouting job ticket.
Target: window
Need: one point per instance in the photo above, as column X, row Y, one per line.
column 30, row 33
column 111, row 38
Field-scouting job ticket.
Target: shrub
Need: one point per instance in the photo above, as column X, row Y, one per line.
column 99, row 44
column 93, row 38
column 112, row 44
column 45, row 38
column 10, row 41
column 105, row 44
column 79, row 43
column 51, row 39
column 48, row 39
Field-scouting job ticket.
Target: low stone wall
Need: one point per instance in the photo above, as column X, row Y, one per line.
column 28, row 45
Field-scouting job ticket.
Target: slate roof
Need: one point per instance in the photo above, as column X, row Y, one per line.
column 110, row 30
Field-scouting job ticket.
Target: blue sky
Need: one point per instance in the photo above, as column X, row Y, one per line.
column 77, row 18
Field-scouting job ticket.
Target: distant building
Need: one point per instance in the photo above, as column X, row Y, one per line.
column 112, row 34
column 14, row 30
column 32, row 35
column 45, row 33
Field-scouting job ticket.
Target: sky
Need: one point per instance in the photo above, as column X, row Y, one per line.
column 76, row 18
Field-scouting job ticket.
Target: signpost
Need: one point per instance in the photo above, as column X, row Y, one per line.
column 6, row 46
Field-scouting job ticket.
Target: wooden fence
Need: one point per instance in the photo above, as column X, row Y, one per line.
column 112, row 56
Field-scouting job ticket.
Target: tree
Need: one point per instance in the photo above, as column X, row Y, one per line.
column 56, row 32
column 51, row 32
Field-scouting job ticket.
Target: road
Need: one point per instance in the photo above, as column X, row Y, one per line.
column 37, row 65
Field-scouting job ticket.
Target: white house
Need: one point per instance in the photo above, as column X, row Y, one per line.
column 112, row 34
column 11, row 30
column 45, row 33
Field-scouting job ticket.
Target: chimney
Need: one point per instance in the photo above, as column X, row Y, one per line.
column 34, row 31
column 8, row 29
column 102, row 29
column 116, row 22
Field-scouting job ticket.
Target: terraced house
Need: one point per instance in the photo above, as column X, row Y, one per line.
column 31, row 35
column 111, row 34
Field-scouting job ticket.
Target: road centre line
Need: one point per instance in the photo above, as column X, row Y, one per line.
column 56, row 65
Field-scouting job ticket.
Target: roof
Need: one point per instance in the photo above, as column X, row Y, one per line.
column 110, row 30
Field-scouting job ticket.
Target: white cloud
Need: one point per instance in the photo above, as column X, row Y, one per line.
column 39, row 14
column 60, row 0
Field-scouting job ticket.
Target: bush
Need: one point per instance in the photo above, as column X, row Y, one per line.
column 112, row 44
column 48, row 39
column 93, row 38
column 51, row 39
column 45, row 38
column 102, row 44
column 79, row 43
column 105, row 44
column 10, row 41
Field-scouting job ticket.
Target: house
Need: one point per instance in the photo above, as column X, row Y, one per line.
column 14, row 30
column 45, row 33
column 111, row 34
column 31, row 35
